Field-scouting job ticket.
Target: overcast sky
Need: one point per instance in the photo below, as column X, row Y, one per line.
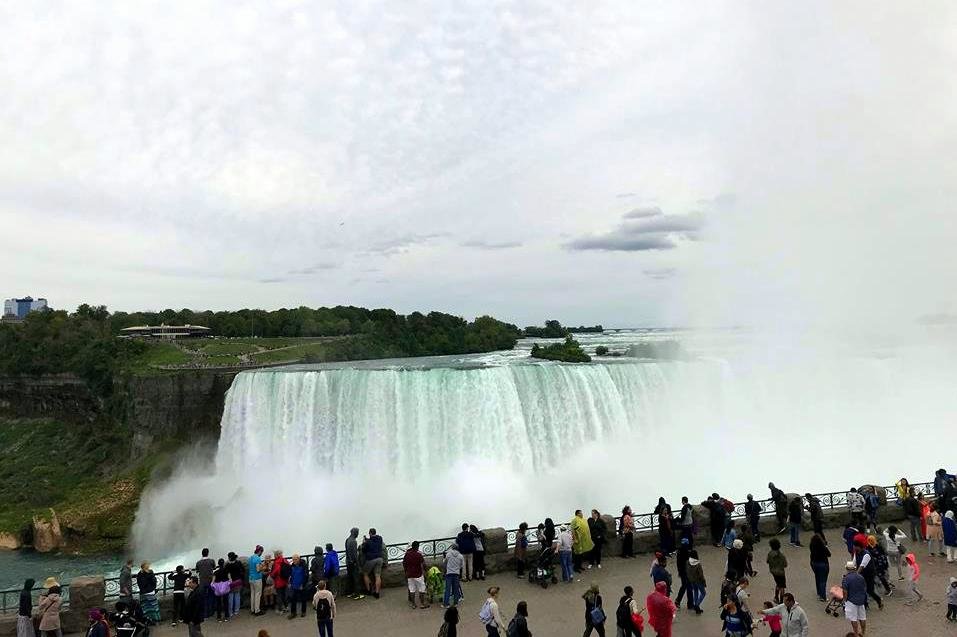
column 626, row 163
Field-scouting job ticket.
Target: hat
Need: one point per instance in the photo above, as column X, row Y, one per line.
column 851, row 566
column 50, row 582
column 738, row 544
column 259, row 547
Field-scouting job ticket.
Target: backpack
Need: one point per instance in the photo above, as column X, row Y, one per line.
column 623, row 613
column 873, row 502
column 485, row 615
column 285, row 570
column 727, row 591
column 512, row 629
column 323, row 609
column 727, row 504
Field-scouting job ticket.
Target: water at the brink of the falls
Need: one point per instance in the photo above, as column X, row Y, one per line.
column 416, row 447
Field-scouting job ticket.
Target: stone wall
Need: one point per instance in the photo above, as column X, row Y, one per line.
column 63, row 397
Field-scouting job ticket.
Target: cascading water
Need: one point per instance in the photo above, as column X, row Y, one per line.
column 306, row 453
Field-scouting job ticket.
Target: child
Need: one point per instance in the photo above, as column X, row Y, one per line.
column 952, row 600
column 735, row 622
column 773, row 621
column 777, row 564
column 269, row 586
column 434, row 584
column 913, row 574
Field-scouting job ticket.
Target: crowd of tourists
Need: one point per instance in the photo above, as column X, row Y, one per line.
column 288, row 585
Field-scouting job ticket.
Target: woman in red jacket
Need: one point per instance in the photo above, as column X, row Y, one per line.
column 281, row 570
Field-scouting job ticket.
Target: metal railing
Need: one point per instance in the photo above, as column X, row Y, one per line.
column 436, row 548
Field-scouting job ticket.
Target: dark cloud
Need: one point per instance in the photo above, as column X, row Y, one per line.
column 490, row 245
column 660, row 273
column 641, row 213
column 656, row 231
column 312, row 269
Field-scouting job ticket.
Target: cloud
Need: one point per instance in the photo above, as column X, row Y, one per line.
column 640, row 213
column 490, row 245
column 722, row 200
column 626, row 195
column 660, row 273
column 400, row 244
column 312, row 269
column 273, row 280
column 651, row 230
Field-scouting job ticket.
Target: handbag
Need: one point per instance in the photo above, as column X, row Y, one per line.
column 220, row 588
column 598, row 616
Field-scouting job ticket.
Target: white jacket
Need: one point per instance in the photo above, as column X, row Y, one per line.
column 892, row 543
column 793, row 622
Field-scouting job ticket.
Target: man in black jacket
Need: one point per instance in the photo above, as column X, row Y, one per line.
column 780, row 507
column 195, row 608
column 752, row 511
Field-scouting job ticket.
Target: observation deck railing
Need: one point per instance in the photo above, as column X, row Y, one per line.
column 436, row 548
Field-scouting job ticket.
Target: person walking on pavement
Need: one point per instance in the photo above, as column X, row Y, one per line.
column 793, row 618
column 682, row 557
column 594, row 613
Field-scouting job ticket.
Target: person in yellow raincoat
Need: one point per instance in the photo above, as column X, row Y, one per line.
column 582, row 544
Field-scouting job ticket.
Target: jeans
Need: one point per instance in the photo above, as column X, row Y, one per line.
column 451, row 589
column 698, row 592
column 915, row 533
column 755, row 527
column 298, row 598
column 234, row 597
column 821, row 570
column 281, row 599
column 895, row 560
column 795, row 533
column 209, row 601
column 566, row 559
column 255, row 594
column 685, row 588
column 325, row 628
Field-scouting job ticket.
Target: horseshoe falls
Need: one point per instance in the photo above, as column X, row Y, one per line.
column 415, row 447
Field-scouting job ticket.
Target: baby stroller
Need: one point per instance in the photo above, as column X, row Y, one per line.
column 544, row 570
column 835, row 601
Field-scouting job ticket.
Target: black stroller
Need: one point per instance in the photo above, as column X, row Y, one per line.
column 543, row 572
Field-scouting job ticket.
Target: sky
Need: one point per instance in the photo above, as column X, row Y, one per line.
column 628, row 163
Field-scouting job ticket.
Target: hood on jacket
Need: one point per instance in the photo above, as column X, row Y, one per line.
column 949, row 515
column 661, row 587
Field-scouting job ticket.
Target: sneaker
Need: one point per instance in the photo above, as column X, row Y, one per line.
column 599, row 566
column 376, row 595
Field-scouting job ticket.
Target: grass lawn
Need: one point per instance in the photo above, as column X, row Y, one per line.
column 222, row 348
column 157, row 354
column 292, row 354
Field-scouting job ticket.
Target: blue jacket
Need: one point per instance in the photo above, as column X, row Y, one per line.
column 299, row 575
column 330, row 567
column 466, row 542
column 372, row 548
column 950, row 531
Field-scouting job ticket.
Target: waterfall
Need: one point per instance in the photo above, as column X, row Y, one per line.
column 306, row 452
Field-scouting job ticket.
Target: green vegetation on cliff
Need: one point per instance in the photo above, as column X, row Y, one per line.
column 568, row 352
column 554, row 329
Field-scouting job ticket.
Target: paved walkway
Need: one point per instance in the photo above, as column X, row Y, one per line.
column 559, row 610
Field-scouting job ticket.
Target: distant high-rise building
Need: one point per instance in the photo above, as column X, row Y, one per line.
column 21, row 307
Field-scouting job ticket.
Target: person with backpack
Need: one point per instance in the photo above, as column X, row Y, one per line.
column 325, row 604
column 490, row 615
column 872, row 504
column 752, row 511
column 867, row 567
column 735, row 621
column 330, row 569
column 518, row 627
column 627, row 616
column 594, row 613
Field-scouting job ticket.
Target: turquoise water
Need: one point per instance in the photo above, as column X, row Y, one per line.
column 16, row 566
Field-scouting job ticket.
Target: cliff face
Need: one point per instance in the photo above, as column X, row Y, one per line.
column 184, row 406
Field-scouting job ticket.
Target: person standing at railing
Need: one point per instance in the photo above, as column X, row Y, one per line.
column 872, row 505
column 298, row 581
column 204, row 570
column 521, row 549
column 795, row 515
column 255, row 576
column 179, row 578
column 686, row 521
column 717, row 515
column 466, row 543
column 352, row 564
column 855, row 506
column 565, row 545
column 817, row 514
column 666, row 533
column 582, row 543
column 780, row 501
column 479, row 561
column 627, row 532
column 126, row 581
column 281, row 571
column 330, row 569
column 373, row 548
column 912, row 511
column 597, row 530
column 752, row 512
column 146, row 581
column 48, row 608
column 25, row 611
column 236, row 571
